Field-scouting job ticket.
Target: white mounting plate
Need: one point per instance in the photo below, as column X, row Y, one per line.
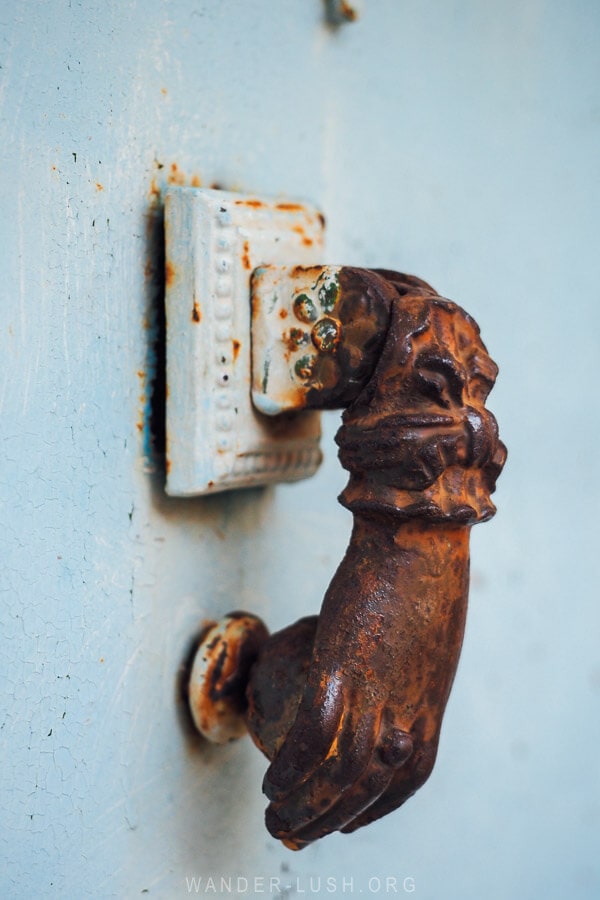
column 216, row 439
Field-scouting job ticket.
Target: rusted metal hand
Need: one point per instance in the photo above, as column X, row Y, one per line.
column 386, row 644
column 349, row 706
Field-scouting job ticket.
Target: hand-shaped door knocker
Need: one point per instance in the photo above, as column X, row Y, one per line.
column 348, row 705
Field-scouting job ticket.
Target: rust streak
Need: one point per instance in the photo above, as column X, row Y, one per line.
column 246, row 256
column 236, row 349
column 196, row 315
column 176, row 176
column 290, row 206
column 154, row 192
column 348, row 12
column 169, row 273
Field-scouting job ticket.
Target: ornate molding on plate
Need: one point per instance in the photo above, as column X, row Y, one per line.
column 216, row 439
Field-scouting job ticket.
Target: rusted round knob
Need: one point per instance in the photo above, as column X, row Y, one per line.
column 219, row 676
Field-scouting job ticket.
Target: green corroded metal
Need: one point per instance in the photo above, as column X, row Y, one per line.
column 293, row 307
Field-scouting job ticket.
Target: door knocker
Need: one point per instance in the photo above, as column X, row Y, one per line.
column 346, row 705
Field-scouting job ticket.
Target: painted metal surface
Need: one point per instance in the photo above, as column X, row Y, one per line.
column 216, row 439
column 458, row 140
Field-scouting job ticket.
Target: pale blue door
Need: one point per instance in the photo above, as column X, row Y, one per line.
column 456, row 141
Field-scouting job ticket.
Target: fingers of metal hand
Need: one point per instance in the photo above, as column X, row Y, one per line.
column 344, row 764
column 406, row 782
column 400, row 790
column 309, row 740
column 345, row 786
column 395, row 748
column 373, row 782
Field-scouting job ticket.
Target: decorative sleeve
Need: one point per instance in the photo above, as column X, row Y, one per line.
column 418, row 441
